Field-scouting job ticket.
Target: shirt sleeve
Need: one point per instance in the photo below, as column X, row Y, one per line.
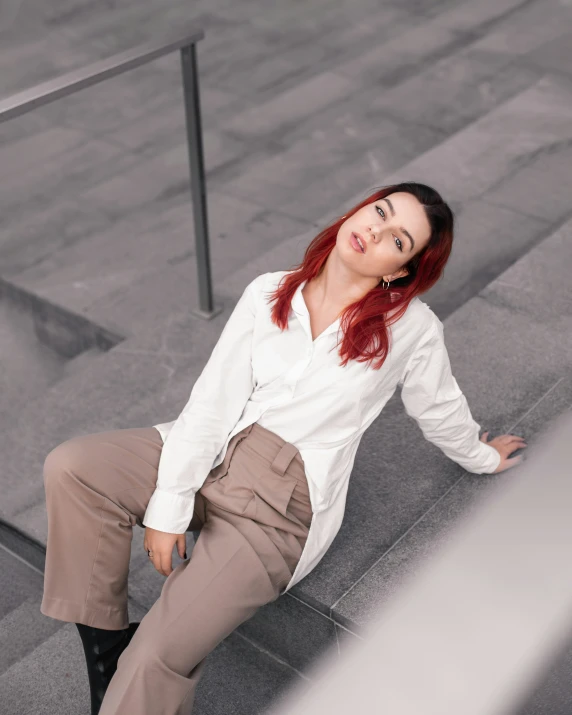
column 217, row 400
column 432, row 397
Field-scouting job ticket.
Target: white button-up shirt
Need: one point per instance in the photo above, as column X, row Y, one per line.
column 295, row 387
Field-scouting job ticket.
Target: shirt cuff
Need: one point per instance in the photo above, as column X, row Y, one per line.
column 168, row 512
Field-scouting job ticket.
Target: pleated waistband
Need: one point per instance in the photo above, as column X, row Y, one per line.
column 282, row 456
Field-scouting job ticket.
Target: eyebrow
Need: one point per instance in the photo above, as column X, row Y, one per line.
column 409, row 236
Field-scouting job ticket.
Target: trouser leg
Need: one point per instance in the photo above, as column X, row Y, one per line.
column 97, row 488
column 202, row 601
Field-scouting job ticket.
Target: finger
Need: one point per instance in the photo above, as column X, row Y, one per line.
column 513, row 444
column 157, row 563
column 512, row 438
column 166, row 566
column 509, row 445
column 155, row 559
column 182, row 548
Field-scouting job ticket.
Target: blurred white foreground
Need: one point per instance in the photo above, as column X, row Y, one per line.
column 480, row 624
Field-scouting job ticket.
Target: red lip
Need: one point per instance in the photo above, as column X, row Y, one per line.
column 361, row 239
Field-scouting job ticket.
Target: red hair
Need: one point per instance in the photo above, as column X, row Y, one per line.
column 367, row 319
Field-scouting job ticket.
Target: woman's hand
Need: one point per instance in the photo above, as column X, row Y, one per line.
column 160, row 544
column 505, row 444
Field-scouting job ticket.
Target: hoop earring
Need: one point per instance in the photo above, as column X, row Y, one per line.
column 382, row 282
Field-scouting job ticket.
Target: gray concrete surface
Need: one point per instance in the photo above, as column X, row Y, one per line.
column 305, row 109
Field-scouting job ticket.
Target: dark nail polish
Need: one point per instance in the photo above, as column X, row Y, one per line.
column 185, row 554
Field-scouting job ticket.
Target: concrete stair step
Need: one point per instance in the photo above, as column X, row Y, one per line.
column 51, row 678
column 78, row 364
column 28, row 366
column 23, row 630
column 19, row 581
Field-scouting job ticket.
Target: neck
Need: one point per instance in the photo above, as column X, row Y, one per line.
column 335, row 286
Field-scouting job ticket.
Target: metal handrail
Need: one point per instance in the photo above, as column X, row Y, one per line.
column 46, row 92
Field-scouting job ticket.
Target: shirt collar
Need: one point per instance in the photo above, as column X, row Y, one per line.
column 301, row 309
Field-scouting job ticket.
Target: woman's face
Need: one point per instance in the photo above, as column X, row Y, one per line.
column 392, row 230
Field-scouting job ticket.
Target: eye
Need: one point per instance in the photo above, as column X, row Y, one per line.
column 400, row 246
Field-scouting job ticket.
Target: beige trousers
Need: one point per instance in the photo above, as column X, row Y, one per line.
column 253, row 515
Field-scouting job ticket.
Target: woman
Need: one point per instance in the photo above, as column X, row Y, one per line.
column 258, row 461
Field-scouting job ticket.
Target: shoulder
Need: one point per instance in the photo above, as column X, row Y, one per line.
column 266, row 282
column 427, row 318
column 425, row 338
column 419, row 320
column 257, row 284
column 260, row 287
column 274, row 277
column 419, row 330
column 429, row 328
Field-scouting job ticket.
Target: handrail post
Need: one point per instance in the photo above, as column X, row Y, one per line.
column 206, row 309
column 46, row 92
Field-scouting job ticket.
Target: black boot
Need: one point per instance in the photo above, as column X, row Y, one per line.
column 102, row 649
